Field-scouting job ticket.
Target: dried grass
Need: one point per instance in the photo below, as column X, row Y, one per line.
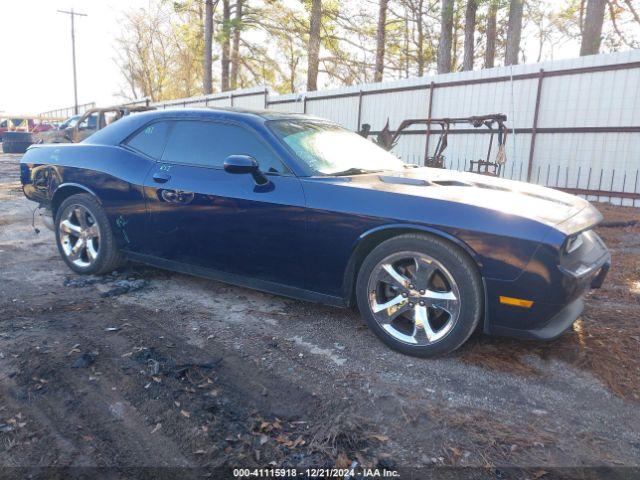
column 339, row 433
column 488, row 440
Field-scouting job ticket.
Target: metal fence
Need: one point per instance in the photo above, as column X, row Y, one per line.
column 67, row 111
column 573, row 123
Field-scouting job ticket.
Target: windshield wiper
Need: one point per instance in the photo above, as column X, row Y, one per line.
column 354, row 171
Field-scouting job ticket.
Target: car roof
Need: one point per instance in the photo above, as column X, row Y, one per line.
column 121, row 129
column 230, row 112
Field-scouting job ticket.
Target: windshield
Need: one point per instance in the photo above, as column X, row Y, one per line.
column 332, row 150
column 69, row 122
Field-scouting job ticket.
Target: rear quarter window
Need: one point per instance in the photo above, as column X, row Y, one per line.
column 151, row 139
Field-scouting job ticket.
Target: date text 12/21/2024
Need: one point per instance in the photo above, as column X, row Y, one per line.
column 342, row 473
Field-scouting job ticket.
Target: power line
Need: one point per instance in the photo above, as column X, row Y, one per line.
column 73, row 14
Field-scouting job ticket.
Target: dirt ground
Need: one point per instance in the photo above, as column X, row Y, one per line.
column 186, row 372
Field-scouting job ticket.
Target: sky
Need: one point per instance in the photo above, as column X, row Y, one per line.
column 36, row 73
column 37, row 50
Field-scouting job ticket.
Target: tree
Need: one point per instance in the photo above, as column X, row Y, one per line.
column 420, row 37
column 423, row 30
column 380, row 40
column 592, row 29
column 315, row 24
column 469, row 32
column 172, row 48
column 444, row 45
column 625, row 21
column 144, row 52
column 207, row 84
column 284, row 58
column 490, row 48
column 514, row 32
column 225, row 40
column 235, row 47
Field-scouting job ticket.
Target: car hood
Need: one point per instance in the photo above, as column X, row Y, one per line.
column 568, row 213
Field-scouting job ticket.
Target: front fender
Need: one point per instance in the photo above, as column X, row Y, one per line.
column 420, row 228
column 368, row 240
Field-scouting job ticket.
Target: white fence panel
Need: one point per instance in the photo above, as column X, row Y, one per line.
column 290, row 103
column 410, row 148
column 516, row 100
column 598, row 99
column 342, row 110
column 395, row 107
column 587, row 117
column 251, row 102
column 463, row 148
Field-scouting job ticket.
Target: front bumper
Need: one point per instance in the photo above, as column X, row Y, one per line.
column 560, row 322
column 557, row 295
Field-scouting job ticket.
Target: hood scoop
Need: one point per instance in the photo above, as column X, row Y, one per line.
column 403, row 180
column 418, row 182
column 451, row 183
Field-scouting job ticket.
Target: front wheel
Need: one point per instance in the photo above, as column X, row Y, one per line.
column 420, row 295
column 84, row 237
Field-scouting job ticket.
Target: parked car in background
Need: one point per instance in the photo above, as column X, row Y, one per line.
column 69, row 122
column 62, row 133
column 77, row 128
column 43, row 127
column 72, row 130
column 298, row 206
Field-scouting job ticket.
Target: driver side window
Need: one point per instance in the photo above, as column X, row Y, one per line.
column 208, row 144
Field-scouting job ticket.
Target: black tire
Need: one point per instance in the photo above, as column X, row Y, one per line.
column 458, row 264
column 16, row 142
column 22, row 137
column 108, row 256
column 10, row 146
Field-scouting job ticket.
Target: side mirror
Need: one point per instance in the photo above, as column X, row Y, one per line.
column 245, row 164
column 240, row 164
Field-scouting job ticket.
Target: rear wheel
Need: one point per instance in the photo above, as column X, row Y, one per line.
column 420, row 295
column 84, row 237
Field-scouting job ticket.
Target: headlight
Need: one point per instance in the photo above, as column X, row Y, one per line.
column 573, row 243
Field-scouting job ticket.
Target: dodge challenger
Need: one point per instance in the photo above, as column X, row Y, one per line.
column 298, row 206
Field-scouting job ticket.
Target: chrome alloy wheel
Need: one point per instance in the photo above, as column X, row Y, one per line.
column 79, row 236
column 414, row 298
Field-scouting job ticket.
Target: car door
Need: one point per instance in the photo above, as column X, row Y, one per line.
column 203, row 217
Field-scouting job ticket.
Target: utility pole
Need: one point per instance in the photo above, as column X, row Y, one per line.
column 73, row 14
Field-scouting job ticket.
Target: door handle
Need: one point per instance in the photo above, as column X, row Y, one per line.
column 161, row 177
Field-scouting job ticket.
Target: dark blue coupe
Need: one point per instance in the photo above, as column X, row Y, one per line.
column 298, row 206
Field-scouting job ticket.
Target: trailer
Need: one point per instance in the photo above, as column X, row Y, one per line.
column 495, row 123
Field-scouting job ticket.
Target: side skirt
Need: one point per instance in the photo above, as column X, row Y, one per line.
column 238, row 280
